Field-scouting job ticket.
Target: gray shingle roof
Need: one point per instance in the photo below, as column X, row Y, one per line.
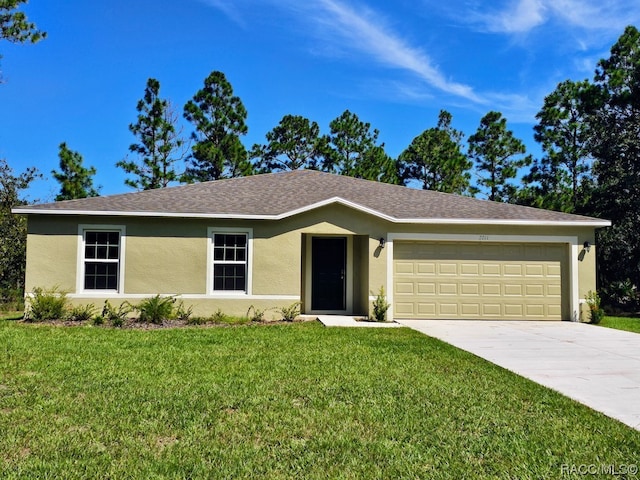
column 278, row 195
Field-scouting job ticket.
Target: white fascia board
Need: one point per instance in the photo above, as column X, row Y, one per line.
column 313, row 206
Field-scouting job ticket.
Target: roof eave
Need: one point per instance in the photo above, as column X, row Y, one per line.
column 329, row 201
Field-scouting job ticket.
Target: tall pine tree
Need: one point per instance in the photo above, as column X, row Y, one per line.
column 616, row 149
column 76, row 181
column 435, row 159
column 494, row 147
column 219, row 120
column 160, row 146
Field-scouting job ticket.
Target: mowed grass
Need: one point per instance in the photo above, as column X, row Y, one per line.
column 621, row 323
column 283, row 401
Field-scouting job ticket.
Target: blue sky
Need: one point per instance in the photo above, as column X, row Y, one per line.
column 394, row 64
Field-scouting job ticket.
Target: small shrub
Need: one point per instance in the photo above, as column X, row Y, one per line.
column 81, row 313
column 291, row 312
column 257, row 315
column 380, row 306
column 622, row 295
column 198, row 320
column 46, row 304
column 182, row 313
column 156, row 309
column 218, row 317
column 114, row 316
column 11, row 300
column 593, row 301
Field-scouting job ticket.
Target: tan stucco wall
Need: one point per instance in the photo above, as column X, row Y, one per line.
column 169, row 256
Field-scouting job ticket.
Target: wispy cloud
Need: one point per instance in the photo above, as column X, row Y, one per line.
column 365, row 33
column 343, row 30
column 522, row 16
column 519, row 17
column 228, row 8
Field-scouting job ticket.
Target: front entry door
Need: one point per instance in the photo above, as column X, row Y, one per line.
column 328, row 273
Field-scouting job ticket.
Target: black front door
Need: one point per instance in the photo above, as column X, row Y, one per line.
column 328, row 273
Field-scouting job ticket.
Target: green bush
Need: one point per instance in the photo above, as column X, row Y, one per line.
column 255, row 314
column 198, row 320
column 47, row 304
column 114, row 316
column 218, row 317
column 291, row 312
column 81, row 313
column 593, row 301
column 380, row 306
column 183, row 313
column 11, row 300
column 156, row 309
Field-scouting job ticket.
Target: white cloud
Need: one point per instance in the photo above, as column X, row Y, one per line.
column 522, row 16
column 370, row 36
column 228, row 8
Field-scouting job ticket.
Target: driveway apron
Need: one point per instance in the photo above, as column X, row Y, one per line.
column 597, row 366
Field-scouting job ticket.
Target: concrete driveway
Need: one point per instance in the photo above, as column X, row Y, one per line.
column 597, row 366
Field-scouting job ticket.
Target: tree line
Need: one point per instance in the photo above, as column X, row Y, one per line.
column 589, row 133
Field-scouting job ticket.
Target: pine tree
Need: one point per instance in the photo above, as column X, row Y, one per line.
column 219, row 120
column 494, row 147
column 435, row 159
column 159, row 147
column 75, row 180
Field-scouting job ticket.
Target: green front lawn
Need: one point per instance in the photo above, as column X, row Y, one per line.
column 621, row 323
column 281, row 401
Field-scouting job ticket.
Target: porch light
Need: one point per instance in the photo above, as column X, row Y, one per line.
column 382, row 242
column 587, row 246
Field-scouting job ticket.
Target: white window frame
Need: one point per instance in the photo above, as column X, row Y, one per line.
column 211, row 232
column 82, row 231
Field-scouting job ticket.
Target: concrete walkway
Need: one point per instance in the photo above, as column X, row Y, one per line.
column 597, row 366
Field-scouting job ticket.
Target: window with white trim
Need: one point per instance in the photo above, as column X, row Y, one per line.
column 101, row 259
column 230, row 261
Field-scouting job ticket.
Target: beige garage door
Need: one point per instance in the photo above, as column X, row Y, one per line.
column 478, row 280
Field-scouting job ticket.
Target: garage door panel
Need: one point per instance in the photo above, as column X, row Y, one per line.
column 512, row 290
column 447, row 288
column 404, row 288
column 514, row 310
column 534, row 270
column 427, row 309
column 472, row 269
column 404, row 268
column 536, row 310
column 491, row 289
column 449, row 310
column 512, row 270
column 554, row 290
column 404, row 308
column 554, row 271
column 469, row 289
column 426, row 288
column 491, row 269
column 470, row 309
column 478, row 280
column 534, row 290
column 448, row 268
column 424, row 268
